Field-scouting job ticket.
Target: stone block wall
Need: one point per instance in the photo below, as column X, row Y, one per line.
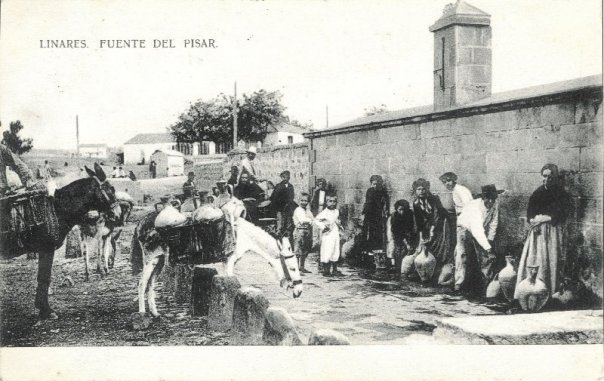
column 271, row 161
column 506, row 145
column 206, row 174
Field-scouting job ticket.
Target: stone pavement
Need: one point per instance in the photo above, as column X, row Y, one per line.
column 368, row 307
column 560, row 327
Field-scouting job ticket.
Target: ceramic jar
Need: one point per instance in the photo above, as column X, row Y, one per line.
column 532, row 291
column 425, row 264
column 447, row 275
column 507, row 278
column 407, row 264
column 494, row 289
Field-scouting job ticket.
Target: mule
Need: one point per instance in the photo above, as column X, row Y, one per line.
column 100, row 236
column 71, row 203
column 149, row 253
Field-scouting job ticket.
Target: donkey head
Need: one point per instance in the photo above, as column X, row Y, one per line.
column 103, row 193
column 289, row 262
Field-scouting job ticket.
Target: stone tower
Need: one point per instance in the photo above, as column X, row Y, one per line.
column 462, row 55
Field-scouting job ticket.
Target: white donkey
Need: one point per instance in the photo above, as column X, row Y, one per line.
column 149, row 253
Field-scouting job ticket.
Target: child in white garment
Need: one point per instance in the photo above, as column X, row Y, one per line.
column 329, row 223
column 303, row 219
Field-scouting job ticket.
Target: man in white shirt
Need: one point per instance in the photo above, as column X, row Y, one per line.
column 476, row 229
column 461, row 195
column 247, row 164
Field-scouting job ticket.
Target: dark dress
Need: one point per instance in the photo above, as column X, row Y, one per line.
column 432, row 213
column 545, row 245
column 377, row 205
column 402, row 227
column 247, row 191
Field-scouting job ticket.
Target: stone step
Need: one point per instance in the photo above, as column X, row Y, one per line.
column 560, row 327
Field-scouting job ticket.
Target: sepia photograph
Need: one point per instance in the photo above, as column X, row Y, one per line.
column 356, row 190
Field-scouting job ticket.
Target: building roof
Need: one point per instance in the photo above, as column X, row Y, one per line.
column 168, row 152
column 152, row 138
column 550, row 89
column 286, row 127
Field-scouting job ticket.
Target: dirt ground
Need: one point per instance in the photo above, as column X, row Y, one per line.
column 95, row 313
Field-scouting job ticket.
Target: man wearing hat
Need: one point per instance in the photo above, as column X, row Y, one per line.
column 476, row 228
column 281, row 202
column 247, row 164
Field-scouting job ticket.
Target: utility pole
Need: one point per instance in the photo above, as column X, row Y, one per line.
column 77, row 137
column 326, row 116
column 235, row 118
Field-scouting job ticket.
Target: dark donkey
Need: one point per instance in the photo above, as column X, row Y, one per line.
column 71, row 203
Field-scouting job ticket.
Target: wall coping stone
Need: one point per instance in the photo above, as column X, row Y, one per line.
column 588, row 87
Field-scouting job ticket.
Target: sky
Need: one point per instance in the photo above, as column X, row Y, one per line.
column 349, row 55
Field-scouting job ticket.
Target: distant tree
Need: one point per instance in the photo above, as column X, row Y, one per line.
column 212, row 120
column 257, row 112
column 307, row 126
column 13, row 141
column 374, row 110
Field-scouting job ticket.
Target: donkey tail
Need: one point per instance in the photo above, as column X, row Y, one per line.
column 136, row 253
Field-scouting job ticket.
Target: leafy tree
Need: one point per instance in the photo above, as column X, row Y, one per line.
column 212, row 120
column 258, row 112
column 374, row 110
column 13, row 141
column 307, row 126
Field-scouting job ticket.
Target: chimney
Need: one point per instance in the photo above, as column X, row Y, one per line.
column 462, row 55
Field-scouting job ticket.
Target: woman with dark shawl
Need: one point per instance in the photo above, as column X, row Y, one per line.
column 432, row 222
column 375, row 213
column 402, row 232
column 545, row 243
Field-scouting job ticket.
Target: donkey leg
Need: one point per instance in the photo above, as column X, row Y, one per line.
column 45, row 259
column 86, row 249
column 144, row 282
column 151, row 292
column 104, row 254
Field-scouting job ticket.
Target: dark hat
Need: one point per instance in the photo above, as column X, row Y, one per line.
column 284, row 173
column 490, row 191
column 191, row 173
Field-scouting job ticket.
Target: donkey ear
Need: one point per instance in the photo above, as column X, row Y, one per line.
column 90, row 172
column 99, row 172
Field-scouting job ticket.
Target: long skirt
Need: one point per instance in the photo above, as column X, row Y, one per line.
column 443, row 244
column 374, row 233
column 544, row 247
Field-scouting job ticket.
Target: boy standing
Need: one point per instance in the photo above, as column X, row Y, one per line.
column 329, row 223
column 303, row 231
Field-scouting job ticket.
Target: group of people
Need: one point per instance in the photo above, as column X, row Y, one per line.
column 463, row 236
column 299, row 220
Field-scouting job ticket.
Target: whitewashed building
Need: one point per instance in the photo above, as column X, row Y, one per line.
column 94, row 150
column 284, row 133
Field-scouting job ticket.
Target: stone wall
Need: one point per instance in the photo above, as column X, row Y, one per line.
column 271, row 161
column 505, row 144
column 208, row 173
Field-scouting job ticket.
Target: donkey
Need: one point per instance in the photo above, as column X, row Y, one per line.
column 100, row 236
column 149, row 253
column 71, row 203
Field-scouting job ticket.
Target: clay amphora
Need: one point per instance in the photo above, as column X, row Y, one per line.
column 447, row 275
column 407, row 265
column 494, row 289
column 425, row 263
column 532, row 292
column 507, row 279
